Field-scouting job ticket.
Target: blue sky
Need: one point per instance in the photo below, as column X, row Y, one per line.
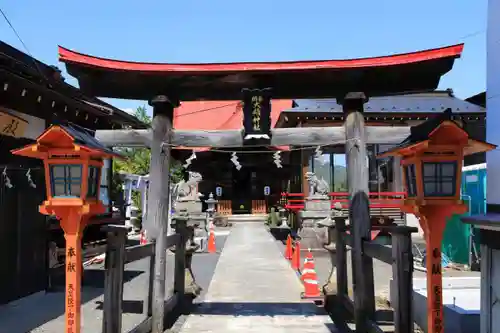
column 257, row 30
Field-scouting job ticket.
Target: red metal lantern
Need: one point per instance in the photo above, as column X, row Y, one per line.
column 73, row 159
column 432, row 158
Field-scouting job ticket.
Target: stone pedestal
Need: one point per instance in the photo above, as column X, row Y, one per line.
column 330, row 287
column 191, row 287
column 191, row 206
column 313, row 235
column 196, row 219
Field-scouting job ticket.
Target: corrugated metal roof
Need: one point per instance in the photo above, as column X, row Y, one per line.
column 429, row 102
column 85, row 137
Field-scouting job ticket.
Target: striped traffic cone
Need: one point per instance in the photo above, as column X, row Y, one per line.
column 309, row 278
column 211, row 242
column 288, row 249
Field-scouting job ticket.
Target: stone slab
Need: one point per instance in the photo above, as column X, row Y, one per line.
column 190, row 205
column 314, row 214
column 254, row 289
column 322, row 205
column 461, row 300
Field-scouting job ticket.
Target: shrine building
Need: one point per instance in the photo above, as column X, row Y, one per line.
column 246, row 186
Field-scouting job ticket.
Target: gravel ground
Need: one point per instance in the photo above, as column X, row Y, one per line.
column 44, row 312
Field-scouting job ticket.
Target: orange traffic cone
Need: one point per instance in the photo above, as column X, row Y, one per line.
column 288, row 249
column 211, row 242
column 296, row 257
column 143, row 240
column 310, row 279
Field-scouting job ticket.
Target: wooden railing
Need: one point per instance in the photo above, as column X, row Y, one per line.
column 295, row 201
column 399, row 256
column 117, row 255
column 224, row 207
column 259, row 207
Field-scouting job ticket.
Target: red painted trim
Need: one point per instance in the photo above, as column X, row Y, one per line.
column 346, row 194
column 380, row 200
column 68, row 56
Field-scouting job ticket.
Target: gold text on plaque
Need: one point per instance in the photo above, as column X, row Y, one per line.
column 256, row 106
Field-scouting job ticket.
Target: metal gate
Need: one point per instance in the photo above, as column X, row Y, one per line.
column 22, row 235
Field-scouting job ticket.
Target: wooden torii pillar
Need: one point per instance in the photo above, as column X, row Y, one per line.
column 359, row 208
column 159, row 199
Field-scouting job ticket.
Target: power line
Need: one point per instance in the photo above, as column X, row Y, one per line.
column 231, row 150
column 22, row 42
column 208, row 109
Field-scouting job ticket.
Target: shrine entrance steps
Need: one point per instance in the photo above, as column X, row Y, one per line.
column 239, row 218
column 254, row 289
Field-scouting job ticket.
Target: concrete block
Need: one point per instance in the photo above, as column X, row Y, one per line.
column 321, row 205
column 461, row 300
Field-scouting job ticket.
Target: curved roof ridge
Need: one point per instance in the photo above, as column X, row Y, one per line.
column 68, row 56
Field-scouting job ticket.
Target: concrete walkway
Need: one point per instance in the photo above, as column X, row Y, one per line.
column 254, row 289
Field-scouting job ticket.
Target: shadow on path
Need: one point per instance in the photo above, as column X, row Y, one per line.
column 259, row 309
column 40, row 309
column 306, row 316
column 344, row 320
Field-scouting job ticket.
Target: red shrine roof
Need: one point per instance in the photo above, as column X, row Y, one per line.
column 420, row 70
column 220, row 115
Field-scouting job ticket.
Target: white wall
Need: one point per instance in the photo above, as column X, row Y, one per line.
column 493, row 100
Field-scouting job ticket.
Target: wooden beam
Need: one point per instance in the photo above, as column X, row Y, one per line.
column 341, row 256
column 138, row 252
column 297, row 136
column 125, row 137
column 359, row 211
column 159, row 207
column 113, row 281
column 402, row 275
column 378, row 251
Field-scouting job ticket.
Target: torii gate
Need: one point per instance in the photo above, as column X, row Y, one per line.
column 350, row 81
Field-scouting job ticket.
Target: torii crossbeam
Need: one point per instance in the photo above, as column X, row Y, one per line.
column 305, row 136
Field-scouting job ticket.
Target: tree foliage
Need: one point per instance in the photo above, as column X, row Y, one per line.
column 137, row 160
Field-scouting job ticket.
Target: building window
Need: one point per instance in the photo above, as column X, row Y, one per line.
column 66, row 180
column 332, row 168
column 411, row 180
column 93, row 178
column 439, row 179
column 105, row 184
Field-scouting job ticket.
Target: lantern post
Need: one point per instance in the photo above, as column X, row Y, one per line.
column 73, row 160
column 432, row 158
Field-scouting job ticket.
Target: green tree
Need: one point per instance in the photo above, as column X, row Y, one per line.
column 137, row 160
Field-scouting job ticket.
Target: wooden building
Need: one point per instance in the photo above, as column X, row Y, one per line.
column 33, row 96
column 243, row 190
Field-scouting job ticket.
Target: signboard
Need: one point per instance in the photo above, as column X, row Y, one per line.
column 11, row 125
column 471, row 178
column 257, row 113
column 267, row 190
column 218, row 191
